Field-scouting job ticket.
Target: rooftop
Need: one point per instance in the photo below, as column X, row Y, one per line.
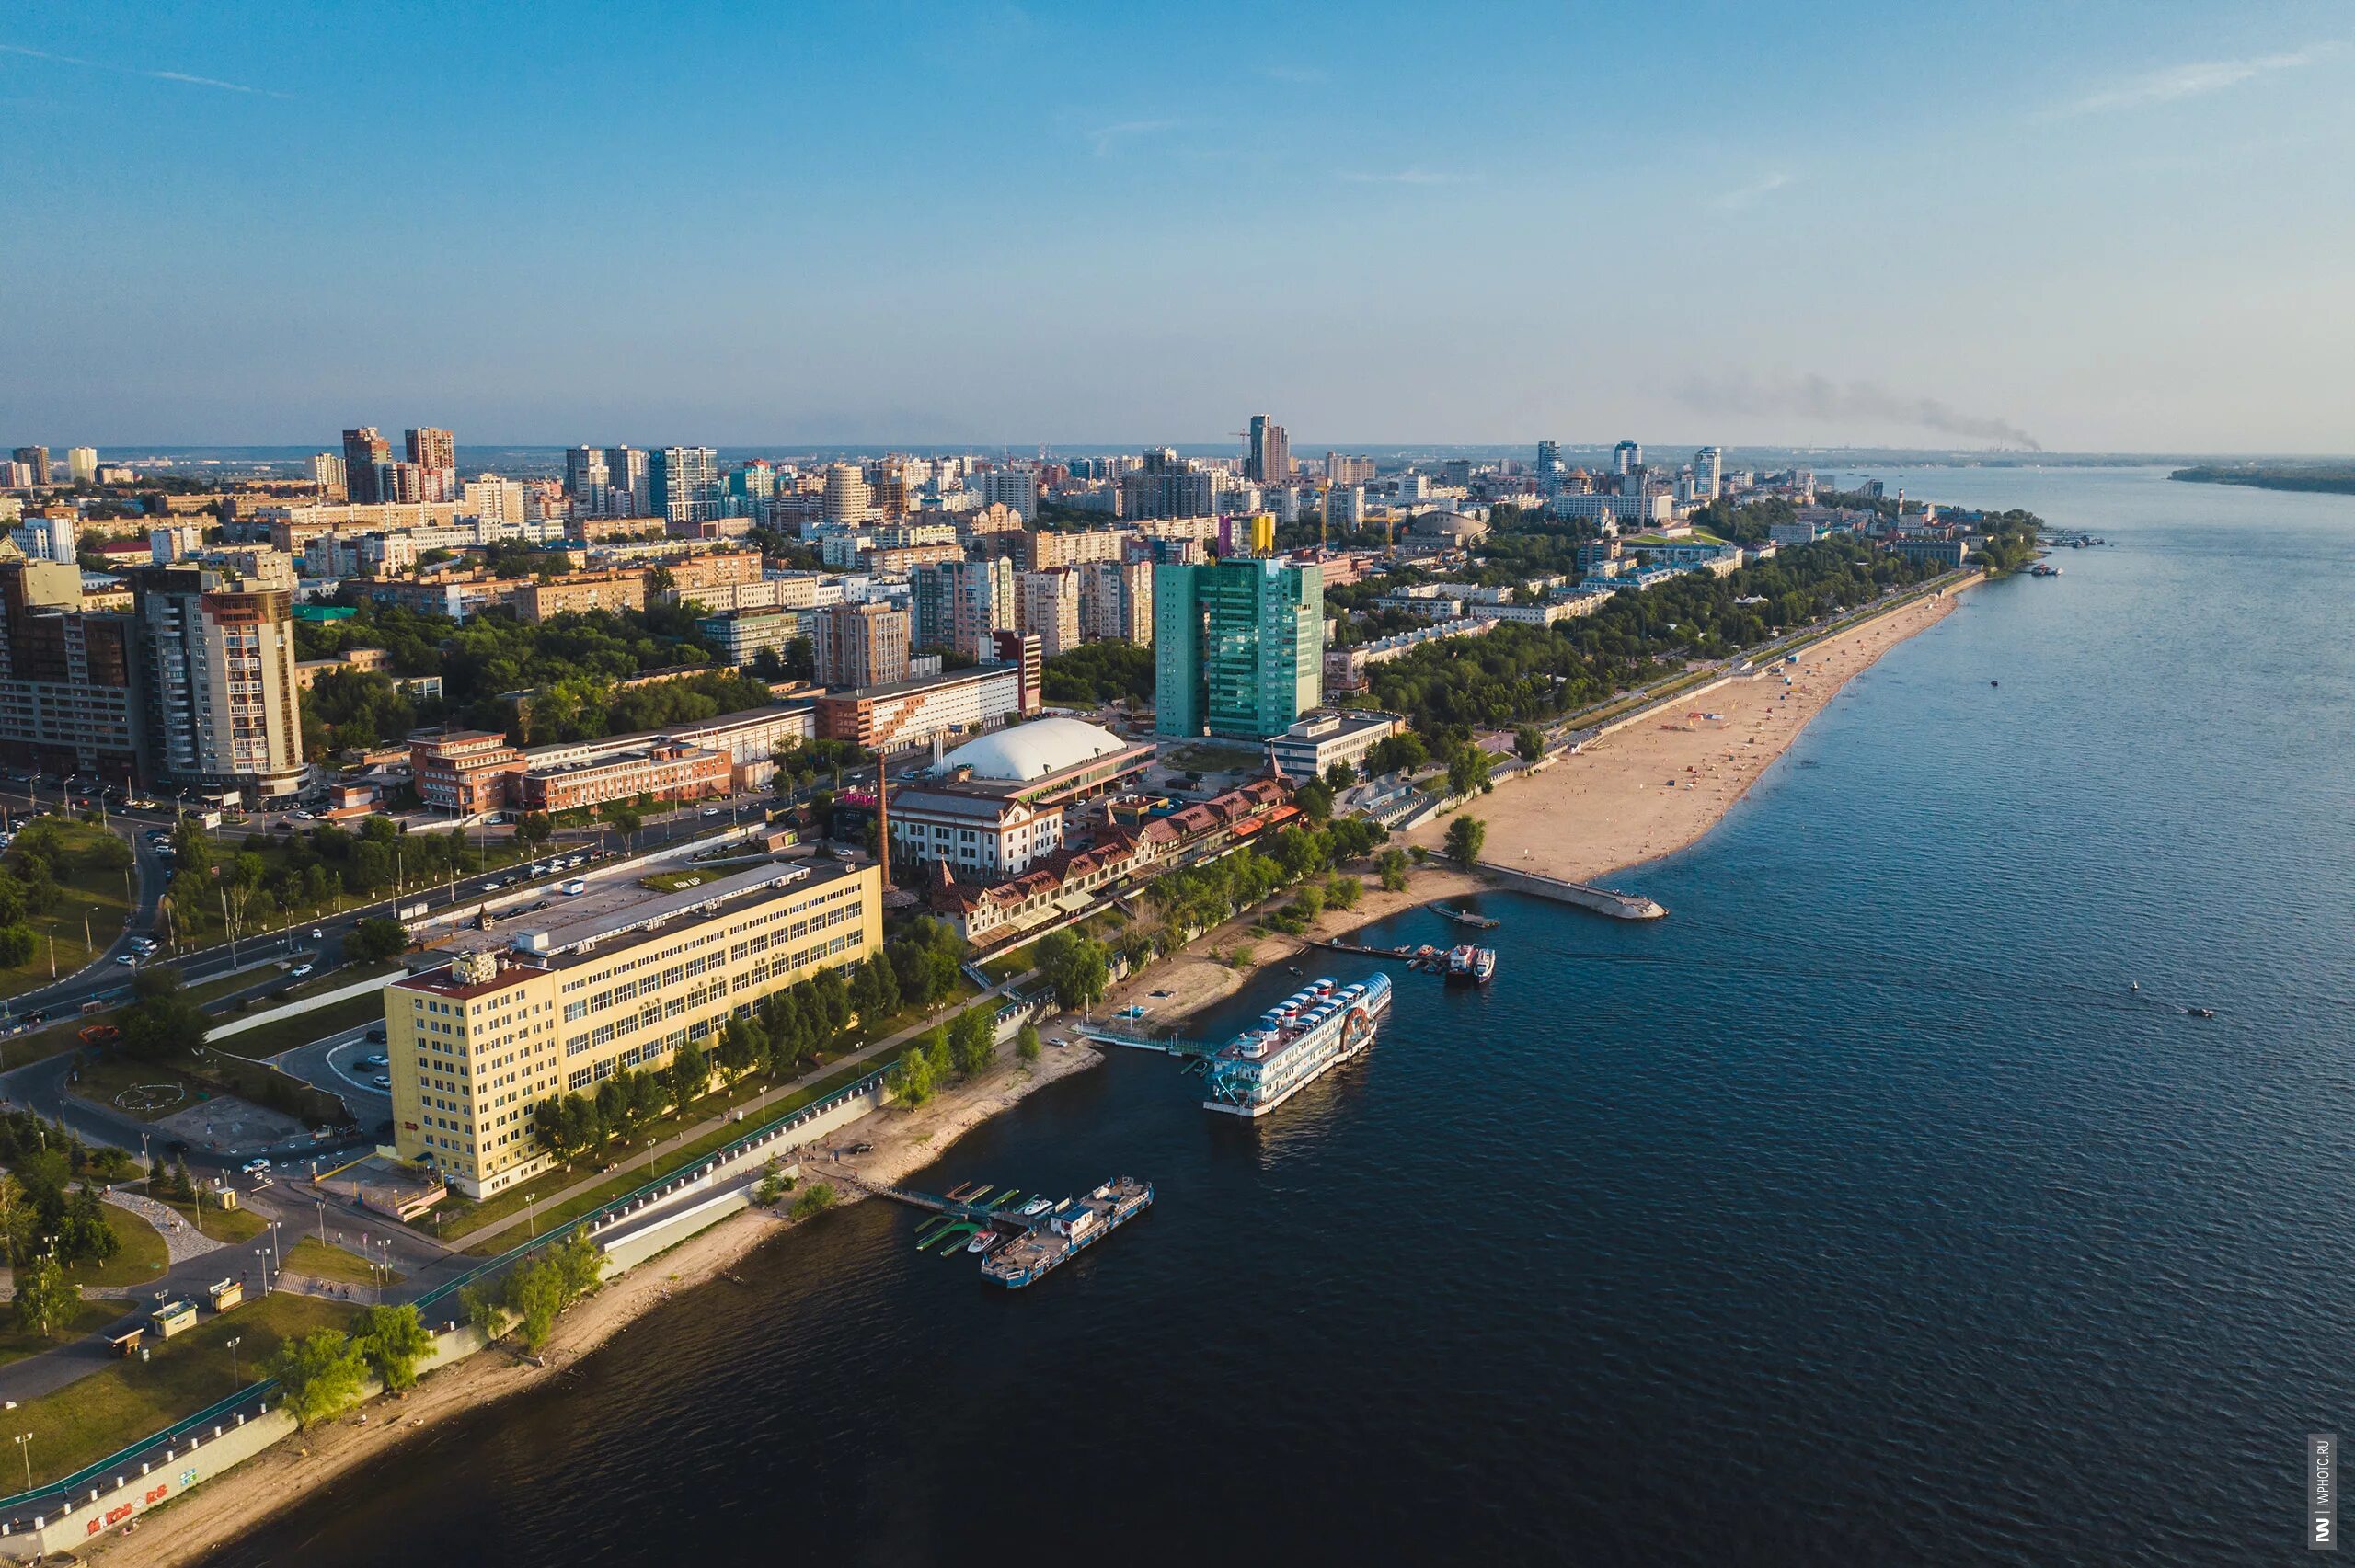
column 1032, row 750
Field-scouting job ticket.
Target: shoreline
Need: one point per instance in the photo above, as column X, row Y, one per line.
column 1533, row 821
column 311, row 1464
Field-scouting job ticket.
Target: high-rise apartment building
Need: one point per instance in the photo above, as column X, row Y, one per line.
column 1238, row 647
column 435, row 454
column 955, row 605
column 1116, row 601
column 365, row 451
column 1017, row 488
column 82, row 464
column 1340, row 469
column 475, row 1046
column 216, row 667
column 37, row 459
column 1268, row 460
column 1164, row 487
column 626, row 492
column 401, row 483
column 585, row 478
column 860, row 645
column 1549, row 459
column 1048, row 608
column 683, row 484
column 1626, row 457
column 1709, row 472
column 328, row 475
column 848, row 501
column 66, row 676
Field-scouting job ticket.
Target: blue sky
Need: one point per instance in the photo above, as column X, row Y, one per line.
column 2096, row 225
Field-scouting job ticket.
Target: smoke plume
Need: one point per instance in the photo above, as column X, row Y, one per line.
column 1819, row 397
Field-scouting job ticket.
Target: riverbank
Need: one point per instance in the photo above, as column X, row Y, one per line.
column 187, row 1530
column 1585, row 816
column 1656, row 786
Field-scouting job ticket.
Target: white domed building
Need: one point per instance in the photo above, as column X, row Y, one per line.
column 997, row 802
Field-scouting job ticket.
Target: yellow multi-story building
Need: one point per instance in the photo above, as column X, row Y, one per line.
column 474, row 1046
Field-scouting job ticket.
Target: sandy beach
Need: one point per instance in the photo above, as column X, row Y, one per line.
column 1612, row 805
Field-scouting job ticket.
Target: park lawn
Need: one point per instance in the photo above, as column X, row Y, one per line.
column 107, row 1412
column 627, row 1177
column 90, row 901
column 89, row 1317
column 267, row 1040
column 134, row 1085
column 314, row 1258
column 1206, row 757
column 141, row 1258
column 232, row 1225
column 674, row 881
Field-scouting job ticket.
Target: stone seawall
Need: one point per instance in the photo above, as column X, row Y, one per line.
column 1601, row 900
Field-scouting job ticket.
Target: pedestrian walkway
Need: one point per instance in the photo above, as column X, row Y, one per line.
column 182, row 1241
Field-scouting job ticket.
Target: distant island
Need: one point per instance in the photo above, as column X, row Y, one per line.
column 2336, row 479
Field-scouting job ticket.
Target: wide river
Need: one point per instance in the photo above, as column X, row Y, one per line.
column 1858, row 1213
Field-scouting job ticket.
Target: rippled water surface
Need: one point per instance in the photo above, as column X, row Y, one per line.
column 1858, row 1213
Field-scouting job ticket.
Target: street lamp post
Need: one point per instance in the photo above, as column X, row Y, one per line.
column 25, row 1447
column 233, row 1341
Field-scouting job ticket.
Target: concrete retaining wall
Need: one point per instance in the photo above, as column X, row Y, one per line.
column 119, row 1499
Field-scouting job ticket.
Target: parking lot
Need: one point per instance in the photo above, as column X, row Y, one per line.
column 340, row 1065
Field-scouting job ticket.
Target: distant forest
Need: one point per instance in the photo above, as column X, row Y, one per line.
column 2331, row 480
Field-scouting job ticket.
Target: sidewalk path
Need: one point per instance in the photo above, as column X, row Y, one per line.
column 182, row 1241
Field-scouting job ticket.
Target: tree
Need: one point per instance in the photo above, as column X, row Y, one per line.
column 1530, row 741
column 910, row 1079
column 1025, row 1043
column 483, row 1311
column 18, row 945
column 1392, row 864
column 1468, row 771
column 1315, row 800
column 392, row 1342
column 536, row 1295
column 690, row 1072
column 534, row 830
column 1465, row 837
column 1342, row 892
column 1077, row 967
column 1339, row 776
column 374, row 940
column 46, row 1299
column 817, row 1200
column 321, row 1374
column 162, row 1021
column 972, row 1038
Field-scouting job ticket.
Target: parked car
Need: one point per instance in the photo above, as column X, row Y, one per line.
column 711, row 810
column 376, row 1033
column 301, row 970
column 382, row 1081
column 129, row 960
column 376, row 1060
column 256, row 1167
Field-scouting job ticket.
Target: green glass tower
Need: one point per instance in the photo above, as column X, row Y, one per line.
column 1238, row 647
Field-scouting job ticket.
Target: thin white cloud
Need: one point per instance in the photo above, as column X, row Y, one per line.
column 1107, row 137
column 1753, row 193
column 1407, row 176
column 2175, row 83
column 181, row 76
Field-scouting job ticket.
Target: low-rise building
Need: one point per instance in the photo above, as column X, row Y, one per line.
column 465, row 770
column 1309, row 749
column 912, row 713
column 577, row 592
column 667, row 770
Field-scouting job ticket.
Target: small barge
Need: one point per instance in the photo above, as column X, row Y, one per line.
column 1067, row 1228
column 1466, row 917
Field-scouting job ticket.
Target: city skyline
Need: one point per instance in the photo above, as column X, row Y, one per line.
column 1936, row 230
